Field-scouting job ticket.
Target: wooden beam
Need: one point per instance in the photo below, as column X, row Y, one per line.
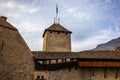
column 99, row 64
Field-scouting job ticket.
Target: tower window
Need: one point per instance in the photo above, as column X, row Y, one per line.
column 66, row 33
column 50, row 31
column 58, row 32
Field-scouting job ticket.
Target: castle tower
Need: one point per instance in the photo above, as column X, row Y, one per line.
column 57, row 39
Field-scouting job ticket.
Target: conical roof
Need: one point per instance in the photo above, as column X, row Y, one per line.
column 56, row 27
column 16, row 61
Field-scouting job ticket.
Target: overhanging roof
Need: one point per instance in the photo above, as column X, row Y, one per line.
column 82, row 55
column 56, row 28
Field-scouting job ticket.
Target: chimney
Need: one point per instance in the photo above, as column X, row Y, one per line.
column 4, row 18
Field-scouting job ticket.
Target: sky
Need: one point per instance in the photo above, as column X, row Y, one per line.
column 92, row 21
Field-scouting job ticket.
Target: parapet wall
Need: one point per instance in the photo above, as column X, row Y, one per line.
column 81, row 74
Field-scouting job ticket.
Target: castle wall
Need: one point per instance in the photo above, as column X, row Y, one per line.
column 57, row 41
column 16, row 62
column 81, row 74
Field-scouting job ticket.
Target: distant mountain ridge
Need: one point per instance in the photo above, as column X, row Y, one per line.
column 110, row 45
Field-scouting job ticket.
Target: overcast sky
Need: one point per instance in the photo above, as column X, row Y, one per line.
column 91, row 21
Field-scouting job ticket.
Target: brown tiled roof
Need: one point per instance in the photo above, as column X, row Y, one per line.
column 52, row 55
column 5, row 24
column 84, row 55
column 117, row 47
column 56, row 27
column 100, row 54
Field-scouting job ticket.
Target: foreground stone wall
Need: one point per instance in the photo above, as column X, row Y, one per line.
column 16, row 61
column 80, row 74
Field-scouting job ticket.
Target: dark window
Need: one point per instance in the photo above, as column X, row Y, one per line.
column 42, row 77
column 38, row 78
column 105, row 72
column 58, row 32
column 50, row 31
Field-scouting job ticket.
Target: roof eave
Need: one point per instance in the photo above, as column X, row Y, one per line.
column 55, row 31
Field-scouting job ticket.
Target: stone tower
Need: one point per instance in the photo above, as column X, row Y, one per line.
column 57, row 39
column 16, row 62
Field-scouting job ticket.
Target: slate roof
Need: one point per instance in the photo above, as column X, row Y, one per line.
column 82, row 55
column 56, row 27
column 5, row 24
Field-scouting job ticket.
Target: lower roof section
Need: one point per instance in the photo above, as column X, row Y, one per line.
column 115, row 55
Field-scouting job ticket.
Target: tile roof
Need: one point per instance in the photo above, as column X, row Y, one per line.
column 100, row 54
column 84, row 55
column 52, row 55
column 56, row 27
column 5, row 24
column 117, row 47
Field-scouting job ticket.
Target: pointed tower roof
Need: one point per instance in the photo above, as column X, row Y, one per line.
column 5, row 24
column 57, row 28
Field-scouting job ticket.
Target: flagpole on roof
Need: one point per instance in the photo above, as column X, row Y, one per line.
column 56, row 13
column 56, row 19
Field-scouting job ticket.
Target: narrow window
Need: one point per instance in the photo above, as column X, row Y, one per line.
column 38, row 78
column 116, row 75
column 49, row 61
column 66, row 33
column 50, row 31
column 2, row 45
column 42, row 77
column 105, row 72
column 62, row 60
column 92, row 72
column 56, row 60
column 65, row 59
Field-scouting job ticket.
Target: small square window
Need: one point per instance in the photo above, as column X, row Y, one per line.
column 50, row 31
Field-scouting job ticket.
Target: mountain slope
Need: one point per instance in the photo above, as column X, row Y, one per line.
column 109, row 45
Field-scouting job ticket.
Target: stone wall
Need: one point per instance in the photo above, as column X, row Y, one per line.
column 80, row 74
column 57, row 41
column 16, row 62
